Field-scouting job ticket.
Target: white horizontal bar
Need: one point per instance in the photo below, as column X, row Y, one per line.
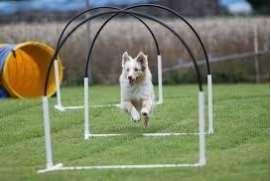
column 64, row 108
column 120, row 167
column 143, row 134
column 74, row 107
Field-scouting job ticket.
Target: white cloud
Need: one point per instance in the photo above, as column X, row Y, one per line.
column 240, row 7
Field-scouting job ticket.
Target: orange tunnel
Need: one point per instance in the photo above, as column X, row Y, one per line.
column 23, row 69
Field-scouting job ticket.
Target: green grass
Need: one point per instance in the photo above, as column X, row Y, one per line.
column 239, row 149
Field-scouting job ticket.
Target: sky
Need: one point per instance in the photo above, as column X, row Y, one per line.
column 9, row 6
column 59, row 5
column 236, row 6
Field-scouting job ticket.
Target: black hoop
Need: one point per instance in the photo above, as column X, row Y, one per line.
column 126, row 12
column 112, row 8
column 149, row 17
column 160, row 7
column 186, row 22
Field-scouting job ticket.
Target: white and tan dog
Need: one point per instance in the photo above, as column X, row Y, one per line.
column 137, row 94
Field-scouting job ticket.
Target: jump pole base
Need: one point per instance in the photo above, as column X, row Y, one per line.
column 60, row 108
column 51, row 168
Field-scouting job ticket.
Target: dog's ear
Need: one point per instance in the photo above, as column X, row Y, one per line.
column 143, row 60
column 125, row 58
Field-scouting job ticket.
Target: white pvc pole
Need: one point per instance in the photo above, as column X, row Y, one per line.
column 202, row 143
column 58, row 93
column 86, row 109
column 47, row 134
column 210, row 104
column 160, row 79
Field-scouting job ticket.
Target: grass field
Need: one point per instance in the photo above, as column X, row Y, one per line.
column 239, row 149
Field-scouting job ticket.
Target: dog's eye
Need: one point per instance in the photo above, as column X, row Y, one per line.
column 136, row 69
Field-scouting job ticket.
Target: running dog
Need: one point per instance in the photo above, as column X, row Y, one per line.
column 137, row 93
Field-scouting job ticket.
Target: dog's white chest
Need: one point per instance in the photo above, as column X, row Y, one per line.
column 137, row 92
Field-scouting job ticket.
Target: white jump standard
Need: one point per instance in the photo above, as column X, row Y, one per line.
column 88, row 132
column 50, row 166
column 210, row 104
column 59, row 106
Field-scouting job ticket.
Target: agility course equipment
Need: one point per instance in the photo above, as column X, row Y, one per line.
column 23, row 69
column 59, row 105
column 50, row 166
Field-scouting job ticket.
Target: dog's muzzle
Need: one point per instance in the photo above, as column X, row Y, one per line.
column 131, row 80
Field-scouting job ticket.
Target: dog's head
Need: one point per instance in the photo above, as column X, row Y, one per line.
column 134, row 68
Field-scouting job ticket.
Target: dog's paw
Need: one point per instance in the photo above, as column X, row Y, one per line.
column 146, row 121
column 145, row 115
column 145, row 112
column 135, row 115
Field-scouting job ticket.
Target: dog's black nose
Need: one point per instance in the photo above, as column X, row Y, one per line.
column 130, row 77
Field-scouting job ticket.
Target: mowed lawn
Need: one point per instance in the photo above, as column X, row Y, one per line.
column 238, row 150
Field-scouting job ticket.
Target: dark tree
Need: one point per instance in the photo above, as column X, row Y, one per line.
column 197, row 8
column 260, row 6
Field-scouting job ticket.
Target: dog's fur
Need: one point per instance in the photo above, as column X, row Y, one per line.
column 137, row 94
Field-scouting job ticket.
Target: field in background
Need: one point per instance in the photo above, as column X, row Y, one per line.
column 237, row 151
column 222, row 36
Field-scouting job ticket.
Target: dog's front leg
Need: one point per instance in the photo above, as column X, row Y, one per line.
column 130, row 108
column 146, row 110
